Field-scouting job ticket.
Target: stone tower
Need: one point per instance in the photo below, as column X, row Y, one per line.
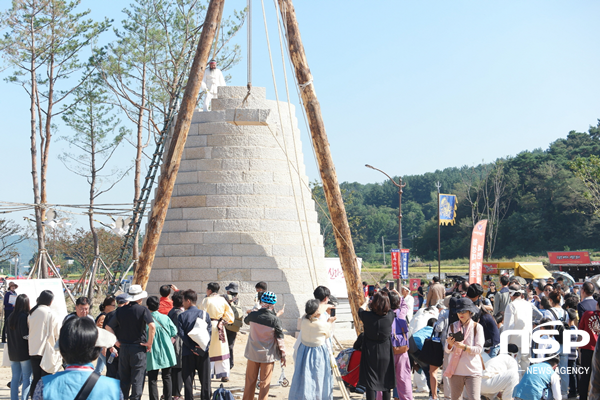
column 237, row 213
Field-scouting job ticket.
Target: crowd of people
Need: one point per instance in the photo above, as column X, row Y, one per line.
column 446, row 343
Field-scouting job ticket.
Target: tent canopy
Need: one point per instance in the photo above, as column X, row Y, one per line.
column 532, row 270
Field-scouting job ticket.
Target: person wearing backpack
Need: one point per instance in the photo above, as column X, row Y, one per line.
column 194, row 359
column 231, row 330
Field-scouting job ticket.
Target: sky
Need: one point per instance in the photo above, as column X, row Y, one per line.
column 408, row 87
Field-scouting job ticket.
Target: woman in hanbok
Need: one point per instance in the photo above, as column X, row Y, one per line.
column 313, row 377
column 403, row 388
column 220, row 314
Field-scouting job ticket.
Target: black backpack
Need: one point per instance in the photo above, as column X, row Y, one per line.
column 222, row 394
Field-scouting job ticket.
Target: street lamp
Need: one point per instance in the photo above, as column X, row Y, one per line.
column 399, row 185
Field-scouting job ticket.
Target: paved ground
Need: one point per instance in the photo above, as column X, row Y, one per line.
column 238, row 374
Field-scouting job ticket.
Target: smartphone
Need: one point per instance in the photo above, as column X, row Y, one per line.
column 371, row 291
column 391, row 285
column 458, row 336
column 332, row 312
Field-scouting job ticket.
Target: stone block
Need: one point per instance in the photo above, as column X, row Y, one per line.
column 197, row 140
column 187, row 201
column 262, row 238
column 229, row 275
column 279, row 226
column 222, row 237
column 161, row 275
column 210, row 116
column 228, row 140
column 205, row 213
column 200, row 226
column 160, row 263
column 195, row 189
column 251, row 250
column 301, row 263
column 188, row 166
column 229, row 152
column 245, row 213
column 186, row 238
column 240, row 92
column 271, row 275
column 195, row 275
column 236, row 225
column 164, row 239
column 257, row 201
column 265, row 139
column 236, row 165
column 180, row 250
column 225, row 262
column 208, row 165
column 174, row 213
column 197, row 153
column 222, row 201
column 288, row 250
column 259, row 262
column 245, row 116
column 175, row 226
column 257, row 176
column 235, row 188
column 268, row 165
column 282, row 214
column 214, row 249
column 189, row 262
column 285, row 202
column 187, row 177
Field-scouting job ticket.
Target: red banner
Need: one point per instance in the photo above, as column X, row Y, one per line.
column 477, row 245
column 569, row 257
column 490, row 269
column 414, row 285
column 396, row 264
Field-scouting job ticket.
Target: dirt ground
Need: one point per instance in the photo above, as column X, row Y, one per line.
column 238, row 375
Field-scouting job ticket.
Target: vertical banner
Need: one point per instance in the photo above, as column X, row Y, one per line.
column 395, row 253
column 414, row 284
column 447, row 211
column 404, row 263
column 476, row 258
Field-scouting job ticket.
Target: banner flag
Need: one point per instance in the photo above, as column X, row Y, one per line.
column 404, row 263
column 395, row 253
column 447, row 209
column 476, row 258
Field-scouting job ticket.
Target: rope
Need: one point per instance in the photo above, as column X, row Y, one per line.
column 249, row 44
column 312, row 278
column 287, row 92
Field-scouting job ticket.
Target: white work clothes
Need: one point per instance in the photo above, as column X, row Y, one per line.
column 501, row 375
column 518, row 316
column 213, row 78
column 421, row 318
column 410, row 302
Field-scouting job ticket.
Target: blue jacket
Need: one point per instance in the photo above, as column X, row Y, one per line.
column 186, row 321
column 422, row 334
column 534, row 382
column 66, row 384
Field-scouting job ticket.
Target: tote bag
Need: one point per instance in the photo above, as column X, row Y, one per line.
column 199, row 332
column 432, row 352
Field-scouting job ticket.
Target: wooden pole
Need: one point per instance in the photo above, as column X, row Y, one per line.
column 439, row 240
column 331, row 187
column 173, row 157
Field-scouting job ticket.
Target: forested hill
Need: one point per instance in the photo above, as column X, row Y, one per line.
column 533, row 202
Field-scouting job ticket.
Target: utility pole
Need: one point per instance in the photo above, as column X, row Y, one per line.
column 383, row 249
column 180, row 133
column 400, row 186
column 331, row 187
column 439, row 185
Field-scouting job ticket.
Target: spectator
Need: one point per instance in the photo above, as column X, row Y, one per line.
column 492, row 291
column 18, row 348
column 176, row 375
column 9, row 305
column 260, row 287
column 435, row 293
column 572, row 361
column 43, row 330
column 220, row 314
column 365, row 286
column 416, row 345
column 465, row 366
column 589, row 322
column 420, row 297
column 502, row 298
column 80, row 342
column 587, row 299
column 166, row 304
column 265, row 346
column 162, row 356
column 400, row 338
column 82, row 309
column 107, row 306
column 313, row 378
column 537, row 378
column 112, row 368
column 501, row 375
column 232, row 329
column 490, row 332
column 558, row 314
column 519, row 316
column 351, row 379
column 377, row 361
column 410, row 302
column 499, row 321
column 134, row 341
column 194, row 359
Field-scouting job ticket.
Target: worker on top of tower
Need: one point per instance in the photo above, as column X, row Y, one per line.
column 213, row 78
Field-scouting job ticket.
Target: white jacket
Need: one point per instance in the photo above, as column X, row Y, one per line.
column 213, row 78
column 518, row 315
column 43, row 326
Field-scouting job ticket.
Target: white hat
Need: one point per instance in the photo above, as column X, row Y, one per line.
column 105, row 339
column 136, row 293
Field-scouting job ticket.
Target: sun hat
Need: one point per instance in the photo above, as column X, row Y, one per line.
column 232, row 287
column 136, row 293
column 122, row 298
column 465, row 304
column 268, row 298
column 105, row 339
column 12, row 284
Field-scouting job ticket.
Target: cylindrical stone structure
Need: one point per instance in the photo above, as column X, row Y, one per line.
column 237, row 213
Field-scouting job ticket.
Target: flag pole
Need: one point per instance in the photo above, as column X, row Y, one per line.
column 438, row 185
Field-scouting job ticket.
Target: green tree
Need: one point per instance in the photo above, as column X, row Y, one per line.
column 587, row 169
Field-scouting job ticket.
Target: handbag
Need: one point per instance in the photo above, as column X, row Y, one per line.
column 432, row 352
column 51, row 359
column 199, row 333
column 403, row 348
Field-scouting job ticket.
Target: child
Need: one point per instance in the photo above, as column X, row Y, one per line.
column 166, row 304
